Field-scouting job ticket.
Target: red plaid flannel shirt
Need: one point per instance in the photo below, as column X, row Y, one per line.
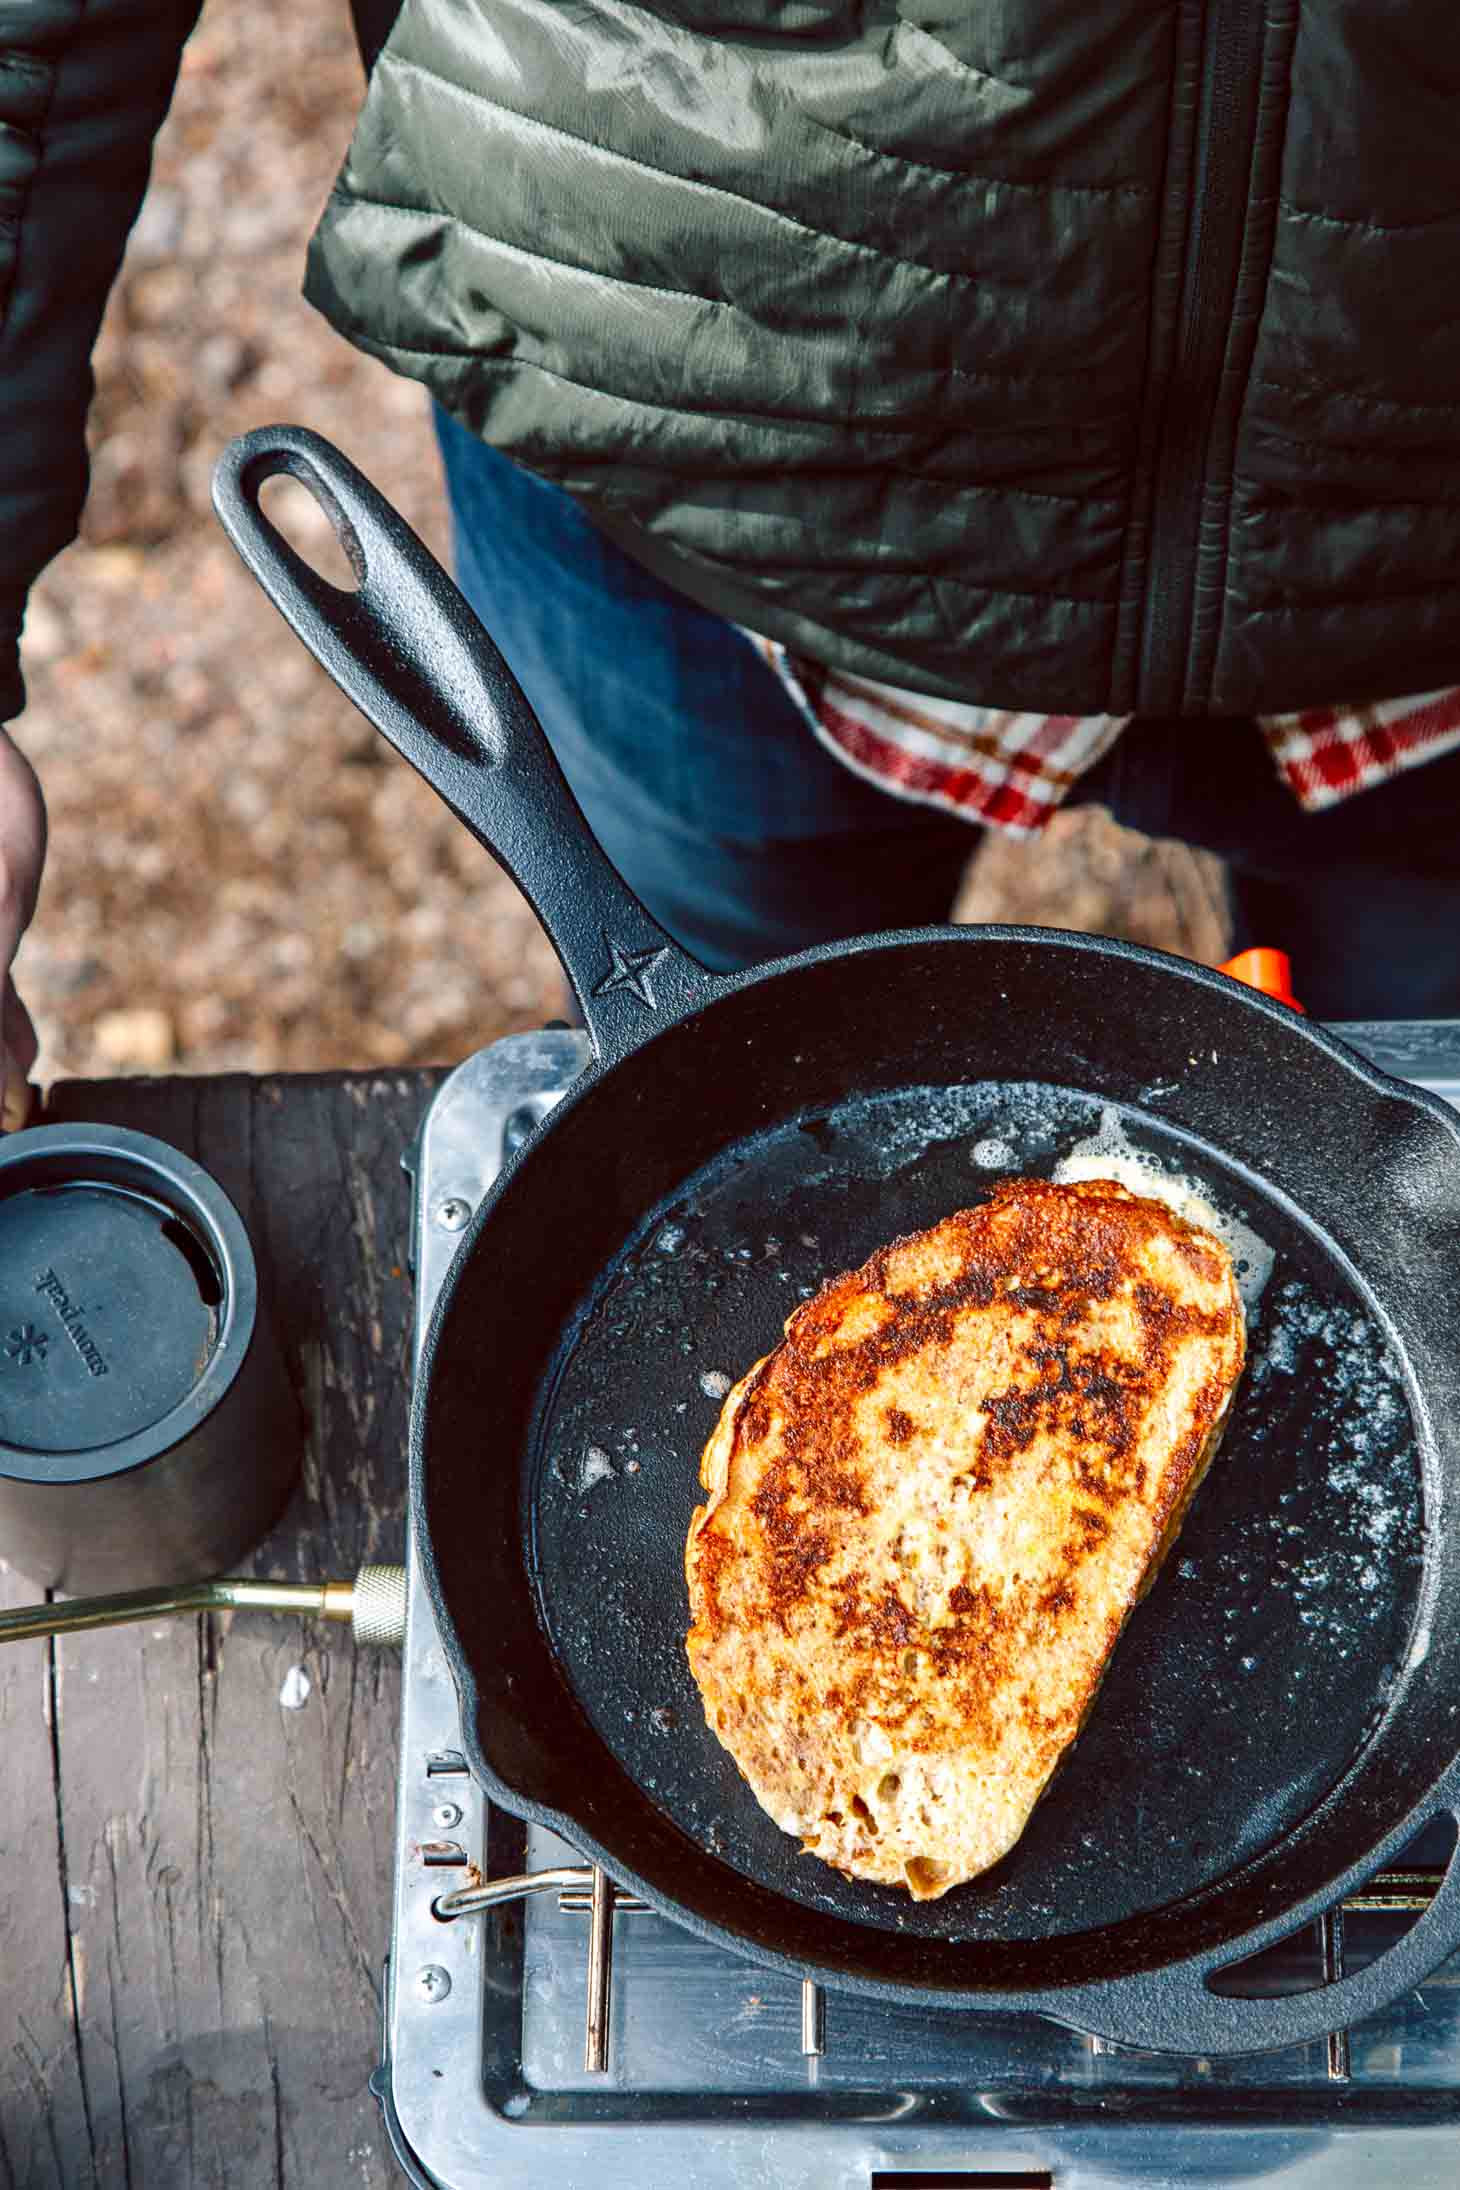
column 1012, row 771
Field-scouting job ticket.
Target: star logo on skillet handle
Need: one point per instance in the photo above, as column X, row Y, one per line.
column 26, row 1345
column 631, row 970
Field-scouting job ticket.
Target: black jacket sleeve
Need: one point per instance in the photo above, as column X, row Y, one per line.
column 84, row 85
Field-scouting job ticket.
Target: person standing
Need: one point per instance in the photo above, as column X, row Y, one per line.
column 865, row 423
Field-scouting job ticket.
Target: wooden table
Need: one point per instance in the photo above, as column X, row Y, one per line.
column 195, row 1879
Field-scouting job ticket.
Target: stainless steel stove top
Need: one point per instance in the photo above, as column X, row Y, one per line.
column 717, row 2074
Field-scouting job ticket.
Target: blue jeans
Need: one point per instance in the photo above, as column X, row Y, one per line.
column 747, row 840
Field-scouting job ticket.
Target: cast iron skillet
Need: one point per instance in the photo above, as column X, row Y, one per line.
column 1283, row 1712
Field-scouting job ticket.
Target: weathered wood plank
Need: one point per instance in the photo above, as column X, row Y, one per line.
column 228, row 1857
column 44, row 2143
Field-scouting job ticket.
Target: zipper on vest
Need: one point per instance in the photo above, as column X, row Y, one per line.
column 1221, row 170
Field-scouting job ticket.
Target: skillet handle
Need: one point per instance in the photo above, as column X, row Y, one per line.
column 1174, row 2010
column 407, row 649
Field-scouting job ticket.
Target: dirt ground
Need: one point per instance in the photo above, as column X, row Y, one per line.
column 241, row 875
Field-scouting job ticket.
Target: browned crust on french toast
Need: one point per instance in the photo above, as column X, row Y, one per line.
column 931, row 1509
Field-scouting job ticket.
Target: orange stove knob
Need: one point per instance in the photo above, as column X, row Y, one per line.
column 1265, row 969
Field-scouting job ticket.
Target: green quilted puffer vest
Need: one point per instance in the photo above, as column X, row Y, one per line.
column 1080, row 357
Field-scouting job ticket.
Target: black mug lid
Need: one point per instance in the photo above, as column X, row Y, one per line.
column 123, row 1271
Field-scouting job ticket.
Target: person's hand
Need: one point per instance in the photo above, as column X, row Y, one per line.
column 22, row 855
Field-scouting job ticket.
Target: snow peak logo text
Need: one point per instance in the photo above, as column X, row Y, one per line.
column 49, row 1286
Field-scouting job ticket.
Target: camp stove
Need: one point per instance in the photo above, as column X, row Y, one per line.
column 559, row 2035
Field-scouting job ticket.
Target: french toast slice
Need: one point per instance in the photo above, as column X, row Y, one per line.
column 931, row 1510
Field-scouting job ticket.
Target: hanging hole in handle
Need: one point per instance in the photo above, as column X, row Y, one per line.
column 306, row 516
